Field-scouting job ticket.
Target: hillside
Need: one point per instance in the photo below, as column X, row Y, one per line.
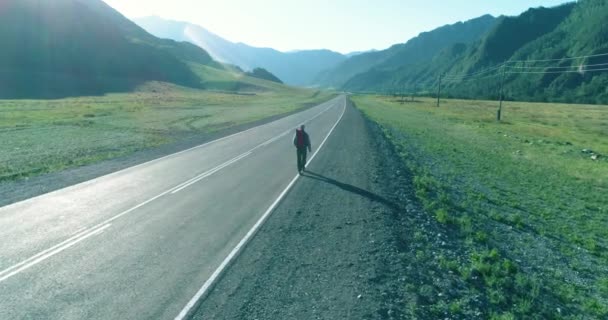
column 294, row 68
column 417, row 50
column 582, row 32
column 461, row 58
column 262, row 73
column 60, row 48
column 536, row 48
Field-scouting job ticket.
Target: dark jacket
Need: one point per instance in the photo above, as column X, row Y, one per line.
column 304, row 142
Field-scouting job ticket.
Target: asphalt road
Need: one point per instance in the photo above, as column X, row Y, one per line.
column 333, row 248
column 145, row 242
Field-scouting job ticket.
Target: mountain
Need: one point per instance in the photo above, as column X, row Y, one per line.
column 492, row 47
column 294, row 68
column 356, row 53
column 262, row 73
column 547, row 54
column 420, row 49
column 75, row 47
column 583, row 32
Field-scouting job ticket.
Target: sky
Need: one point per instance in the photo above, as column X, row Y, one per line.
column 339, row 25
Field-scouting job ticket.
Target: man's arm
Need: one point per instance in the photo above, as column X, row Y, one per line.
column 308, row 143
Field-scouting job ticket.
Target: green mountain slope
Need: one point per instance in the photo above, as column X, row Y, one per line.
column 295, row 68
column 579, row 31
column 75, row 47
column 417, row 50
column 584, row 32
column 473, row 70
column 495, row 46
column 261, row 73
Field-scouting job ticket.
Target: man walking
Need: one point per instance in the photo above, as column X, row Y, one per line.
column 302, row 143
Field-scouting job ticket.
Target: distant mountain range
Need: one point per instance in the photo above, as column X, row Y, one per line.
column 81, row 47
column 537, row 48
column 295, row 68
column 420, row 49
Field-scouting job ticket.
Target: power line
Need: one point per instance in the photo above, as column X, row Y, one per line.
column 476, row 73
column 562, row 59
column 563, row 71
column 506, row 64
column 563, row 67
column 546, row 70
column 471, row 79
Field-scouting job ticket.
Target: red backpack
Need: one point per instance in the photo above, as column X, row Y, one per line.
column 300, row 138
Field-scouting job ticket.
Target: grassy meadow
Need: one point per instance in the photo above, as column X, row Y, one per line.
column 525, row 200
column 43, row 136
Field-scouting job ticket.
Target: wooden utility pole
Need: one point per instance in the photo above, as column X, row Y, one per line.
column 502, row 85
column 439, row 90
column 413, row 92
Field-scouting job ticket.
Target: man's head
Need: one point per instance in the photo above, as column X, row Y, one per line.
column 302, row 127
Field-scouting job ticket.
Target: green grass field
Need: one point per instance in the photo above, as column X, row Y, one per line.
column 527, row 199
column 43, row 136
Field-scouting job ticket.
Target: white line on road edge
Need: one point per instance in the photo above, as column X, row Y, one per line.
column 26, row 264
column 86, row 233
column 161, row 158
column 214, row 277
column 237, row 158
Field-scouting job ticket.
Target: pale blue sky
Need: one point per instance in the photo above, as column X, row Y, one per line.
column 340, row 25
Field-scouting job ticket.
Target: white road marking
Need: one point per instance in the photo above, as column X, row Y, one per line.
column 157, row 159
column 86, row 233
column 208, row 173
column 229, row 162
column 214, row 277
column 26, row 264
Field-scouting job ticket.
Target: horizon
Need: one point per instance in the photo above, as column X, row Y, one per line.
column 274, row 26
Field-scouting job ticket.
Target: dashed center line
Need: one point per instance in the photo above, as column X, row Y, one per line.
column 83, row 234
column 32, row 261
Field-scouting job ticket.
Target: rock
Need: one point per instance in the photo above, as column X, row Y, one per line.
column 359, row 296
column 595, row 156
column 586, row 151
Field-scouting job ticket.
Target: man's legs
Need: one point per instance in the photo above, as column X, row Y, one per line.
column 301, row 154
column 299, row 157
column 303, row 159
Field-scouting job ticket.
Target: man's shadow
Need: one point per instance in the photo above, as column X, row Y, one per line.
column 350, row 188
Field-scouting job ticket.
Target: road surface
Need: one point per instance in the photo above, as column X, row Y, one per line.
column 339, row 246
column 146, row 242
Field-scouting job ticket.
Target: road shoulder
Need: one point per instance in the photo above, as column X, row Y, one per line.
column 333, row 248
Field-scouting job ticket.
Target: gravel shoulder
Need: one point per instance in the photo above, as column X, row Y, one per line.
column 335, row 247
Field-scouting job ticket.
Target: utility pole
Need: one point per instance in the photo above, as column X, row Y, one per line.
column 502, row 85
column 439, row 90
column 412, row 92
